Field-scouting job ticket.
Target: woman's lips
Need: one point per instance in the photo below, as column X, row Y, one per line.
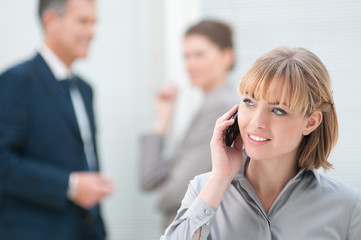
column 257, row 140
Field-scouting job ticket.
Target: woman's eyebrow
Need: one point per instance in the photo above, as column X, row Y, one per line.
column 278, row 103
column 253, row 96
column 270, row 103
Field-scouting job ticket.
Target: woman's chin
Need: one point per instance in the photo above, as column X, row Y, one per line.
column 255, row 156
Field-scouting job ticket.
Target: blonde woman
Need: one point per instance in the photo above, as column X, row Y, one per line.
column 265, row 186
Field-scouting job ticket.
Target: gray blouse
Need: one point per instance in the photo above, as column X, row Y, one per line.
column 311, row 206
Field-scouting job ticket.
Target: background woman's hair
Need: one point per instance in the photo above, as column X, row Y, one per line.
column 305, row 86
column 218, row 32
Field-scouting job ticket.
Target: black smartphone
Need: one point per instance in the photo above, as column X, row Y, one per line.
column 232, row 131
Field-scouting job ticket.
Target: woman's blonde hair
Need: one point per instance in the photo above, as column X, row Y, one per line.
column 305, row 87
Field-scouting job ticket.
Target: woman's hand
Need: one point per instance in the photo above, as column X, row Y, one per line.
column 226, row 161
column 165, row 103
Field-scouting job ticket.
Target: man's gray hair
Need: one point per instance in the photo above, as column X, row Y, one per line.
column 58, row 6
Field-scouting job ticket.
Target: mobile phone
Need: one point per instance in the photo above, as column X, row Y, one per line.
column 232, row 131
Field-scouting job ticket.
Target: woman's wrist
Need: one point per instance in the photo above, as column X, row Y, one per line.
column 160, row 129
column 161, row 125
column 214, row 190
column 222, row 181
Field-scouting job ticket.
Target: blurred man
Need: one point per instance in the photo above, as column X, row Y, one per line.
column 50, row 187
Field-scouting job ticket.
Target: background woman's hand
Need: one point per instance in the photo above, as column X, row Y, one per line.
column 226, row 161
column 165, row 103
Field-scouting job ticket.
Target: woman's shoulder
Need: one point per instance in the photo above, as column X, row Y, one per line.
column 347, row 198
column 220, row 100
column 226, row 94
column 331, row 185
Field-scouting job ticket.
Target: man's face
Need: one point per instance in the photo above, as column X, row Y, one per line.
column 73, row 31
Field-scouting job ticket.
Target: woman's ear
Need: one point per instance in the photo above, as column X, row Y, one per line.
column 313, row 122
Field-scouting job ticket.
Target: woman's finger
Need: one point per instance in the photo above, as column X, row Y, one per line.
column 238, row 143
column 220, row 129
column 228, row 114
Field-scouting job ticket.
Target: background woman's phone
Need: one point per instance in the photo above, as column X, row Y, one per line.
column 232, row 131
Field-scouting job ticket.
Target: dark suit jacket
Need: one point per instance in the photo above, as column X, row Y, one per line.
column 40, row 145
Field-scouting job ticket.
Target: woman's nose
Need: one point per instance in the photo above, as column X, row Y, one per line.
column 259, row 118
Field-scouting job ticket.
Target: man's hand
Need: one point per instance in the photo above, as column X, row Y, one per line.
column 91, row 188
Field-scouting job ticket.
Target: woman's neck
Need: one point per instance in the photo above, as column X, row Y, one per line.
column 215, row 84
column 268, row 178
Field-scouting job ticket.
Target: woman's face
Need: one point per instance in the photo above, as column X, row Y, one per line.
column 270, row 131
column 207, row 64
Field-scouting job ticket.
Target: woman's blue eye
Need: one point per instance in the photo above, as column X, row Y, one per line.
column 279, row 111
column 248, row 102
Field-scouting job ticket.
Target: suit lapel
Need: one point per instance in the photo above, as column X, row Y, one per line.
column 55, row 93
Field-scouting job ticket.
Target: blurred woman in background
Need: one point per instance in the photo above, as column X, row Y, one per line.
column 209, row 57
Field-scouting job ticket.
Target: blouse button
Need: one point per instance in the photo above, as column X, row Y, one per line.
column 207, row 212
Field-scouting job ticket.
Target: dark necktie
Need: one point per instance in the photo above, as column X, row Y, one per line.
column 70, row 87
column 68, row 83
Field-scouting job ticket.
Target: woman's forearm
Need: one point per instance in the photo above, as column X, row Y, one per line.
column 213, row 191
